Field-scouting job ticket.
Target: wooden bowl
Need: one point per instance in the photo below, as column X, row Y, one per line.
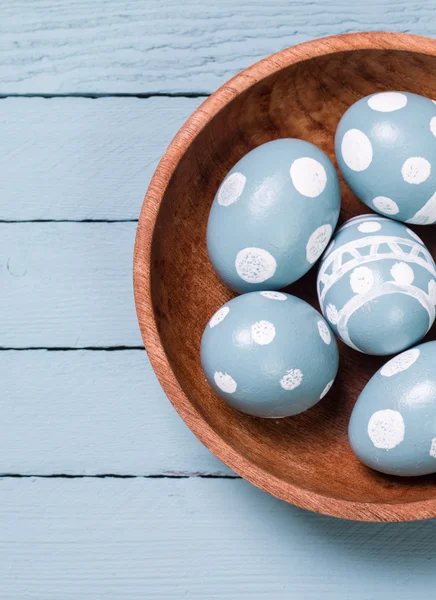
column 300, row 92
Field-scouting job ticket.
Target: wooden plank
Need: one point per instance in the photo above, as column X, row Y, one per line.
column 143, row 538
column 67, row 285
column 70, row 285
column 76, row 158
column 169, row 46
column 91, row 413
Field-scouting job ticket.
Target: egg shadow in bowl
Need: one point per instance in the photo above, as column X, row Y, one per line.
column 301, row 92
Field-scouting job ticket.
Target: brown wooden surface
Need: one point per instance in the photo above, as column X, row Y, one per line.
column 300, row 92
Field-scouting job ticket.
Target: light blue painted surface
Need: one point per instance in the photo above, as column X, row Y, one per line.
column 136, row 538
column 198, row 539
column 87, row 413
column 126, row 46
column 82, row 158
column 67, row 285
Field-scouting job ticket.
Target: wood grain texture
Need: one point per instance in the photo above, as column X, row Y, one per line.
column 301, row 92
column 167, row 46
column 91, row 413
column 197, row 539
column 75, row 158
column 67, row 285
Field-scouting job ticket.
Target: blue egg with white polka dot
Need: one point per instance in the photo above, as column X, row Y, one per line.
column 377, row 285
column 393, row 424
column 386, row 151
column 269, row 354
column 273, row 215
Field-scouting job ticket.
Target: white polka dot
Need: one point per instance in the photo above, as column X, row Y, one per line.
column 433, row 126
column 369, row 227
column 361, row 280
column 219, row 316
column 263, row 332
column 225, row 382
column 432, row 290
column 400, row 363
column 292, row 379
column 434, row 101
column 231, row 189
column 386, row 205
column 308, row 176
column 330, row 248
column 255, row 265
column 433, row 448
column 416, row 170
column 317, row 242
column 402, row 273
column 274, row 295
column 387, row 101
column 386, row 429
column 356, row 150
column 332, row 314
column 414, row 235
column 326, row 389
column 324, row 332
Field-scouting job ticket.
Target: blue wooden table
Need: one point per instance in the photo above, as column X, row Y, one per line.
column 104, row 492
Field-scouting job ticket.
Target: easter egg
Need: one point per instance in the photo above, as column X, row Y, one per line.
column 393, row 424
column 273, row 215
column 377, row 285
column 386, row 151
column 269, row 354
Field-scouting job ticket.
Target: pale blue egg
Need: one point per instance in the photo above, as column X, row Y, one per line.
column 273, row 215
column 393, row 424
column 377, row 285
column 269, row 354
column 386, row 150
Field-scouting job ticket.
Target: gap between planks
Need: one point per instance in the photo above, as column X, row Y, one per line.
column 71, row 349
column 120, row 476
column 92, row 96
column 11, row 221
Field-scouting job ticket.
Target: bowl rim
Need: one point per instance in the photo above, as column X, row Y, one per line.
column 304, row 498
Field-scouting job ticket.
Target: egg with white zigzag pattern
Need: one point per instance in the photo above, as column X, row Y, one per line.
column 377, row 285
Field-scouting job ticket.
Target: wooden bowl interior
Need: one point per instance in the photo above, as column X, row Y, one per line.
column 305, row 101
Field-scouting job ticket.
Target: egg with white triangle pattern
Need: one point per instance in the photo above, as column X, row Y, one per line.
column 377, row 285
column 386, row 151
column 393, row 424
column 269, row 354
column 273, row 215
